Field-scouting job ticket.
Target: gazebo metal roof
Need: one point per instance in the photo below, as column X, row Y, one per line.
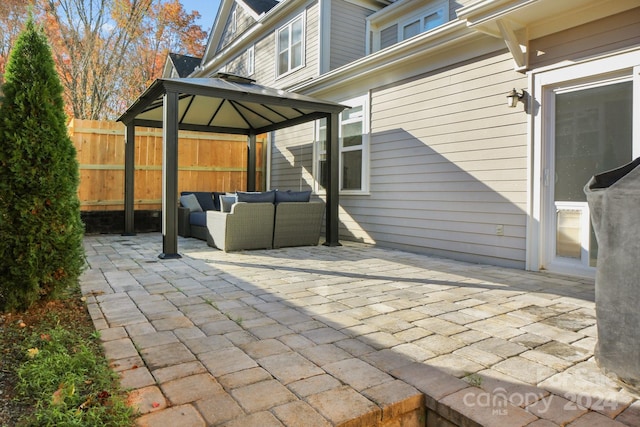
column 222, row 104
column 226, row 104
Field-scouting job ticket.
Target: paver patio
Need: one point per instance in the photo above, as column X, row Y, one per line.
column 352, row 336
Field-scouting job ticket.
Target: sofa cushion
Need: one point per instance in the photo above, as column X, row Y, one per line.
column 226, row 202
column 198, row 218
column 293, row 196
column 190, row 202
column 257, row 196
column 205, row 199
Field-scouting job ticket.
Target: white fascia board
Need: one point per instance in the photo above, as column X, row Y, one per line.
column 168, row 67
column 216, row 30
column 429, row 43
column 250, row 11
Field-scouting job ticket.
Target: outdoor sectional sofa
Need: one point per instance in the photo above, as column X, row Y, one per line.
column 252, row 220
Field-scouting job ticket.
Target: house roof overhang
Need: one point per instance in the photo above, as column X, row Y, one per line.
column 226, row 104
column 519, row 21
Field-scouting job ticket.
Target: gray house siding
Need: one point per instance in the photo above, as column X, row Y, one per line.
column 348, row 32
column 311, row 52
column 292, row 158
column 265, row 53
column 448, row 166
column 605, row 35
column 265, row 67
column 238, row 65
column 243, row 21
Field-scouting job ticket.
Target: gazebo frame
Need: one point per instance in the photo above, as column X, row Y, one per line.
column 222, row 104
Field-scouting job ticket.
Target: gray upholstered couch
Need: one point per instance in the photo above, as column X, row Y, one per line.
column 246, row 226
column 192, row 222
column 297, row 224
column 256, row 220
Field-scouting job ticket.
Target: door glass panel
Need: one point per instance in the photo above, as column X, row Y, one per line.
column 568, row 234
column 593, row 134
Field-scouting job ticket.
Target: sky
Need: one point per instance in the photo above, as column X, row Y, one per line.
column 207, row 9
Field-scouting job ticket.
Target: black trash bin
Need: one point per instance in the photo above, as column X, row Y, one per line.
column 614, row 203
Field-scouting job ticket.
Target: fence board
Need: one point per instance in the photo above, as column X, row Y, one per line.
column 206, row 162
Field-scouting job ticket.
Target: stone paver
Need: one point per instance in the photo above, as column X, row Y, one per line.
column 352, row 335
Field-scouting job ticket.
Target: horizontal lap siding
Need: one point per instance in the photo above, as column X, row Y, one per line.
column 310, row 69
column 265, row 67
column 448, row 164
column 602, row 36
column 243, row 22
column 348, row 32
column 292, row 158
column 265, row 52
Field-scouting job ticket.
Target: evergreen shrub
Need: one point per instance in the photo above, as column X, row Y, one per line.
column 41, row 233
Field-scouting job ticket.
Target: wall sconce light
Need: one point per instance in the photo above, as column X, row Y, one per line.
column 514, row 96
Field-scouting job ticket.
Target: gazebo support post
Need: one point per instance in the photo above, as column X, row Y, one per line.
column 170, row 177
column 333, row 152
column 129, row 173
column 251, row 162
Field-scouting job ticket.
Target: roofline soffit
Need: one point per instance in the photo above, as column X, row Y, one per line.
column 517, row 22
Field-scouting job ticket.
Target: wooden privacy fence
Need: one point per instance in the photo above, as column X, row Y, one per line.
column 206, row 162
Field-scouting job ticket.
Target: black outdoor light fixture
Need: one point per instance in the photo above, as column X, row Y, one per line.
column 514, row 96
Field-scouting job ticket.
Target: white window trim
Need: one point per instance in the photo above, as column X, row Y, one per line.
column 277, row 46
column 420, row 18
column 234, row 22
column 251, row 60
column 365, row 147
column 401, row 13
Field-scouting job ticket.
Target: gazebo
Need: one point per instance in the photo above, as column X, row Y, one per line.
column 222, row 104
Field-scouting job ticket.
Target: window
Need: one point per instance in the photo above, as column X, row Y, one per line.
column 389, row 36
column 405, row 19
column 251, row 60
column 234, row 22
column 290, row 46
column 353, row 149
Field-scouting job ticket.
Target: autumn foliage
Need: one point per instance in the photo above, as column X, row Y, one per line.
column 106, row 51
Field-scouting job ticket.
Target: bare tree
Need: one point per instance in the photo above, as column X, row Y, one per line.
column 91, row 40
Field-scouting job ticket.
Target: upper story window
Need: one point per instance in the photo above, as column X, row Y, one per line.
column 354, row 149
column 405, row 19
column 251, row 60
column 233, row 27
column 290, row 46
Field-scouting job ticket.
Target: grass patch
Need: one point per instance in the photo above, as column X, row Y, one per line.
column 60, row 375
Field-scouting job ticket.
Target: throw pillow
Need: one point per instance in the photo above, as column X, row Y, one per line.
column 205, row 200
column 226, row 202
column 191, row 202
column 293, row 196
column 257, row 196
